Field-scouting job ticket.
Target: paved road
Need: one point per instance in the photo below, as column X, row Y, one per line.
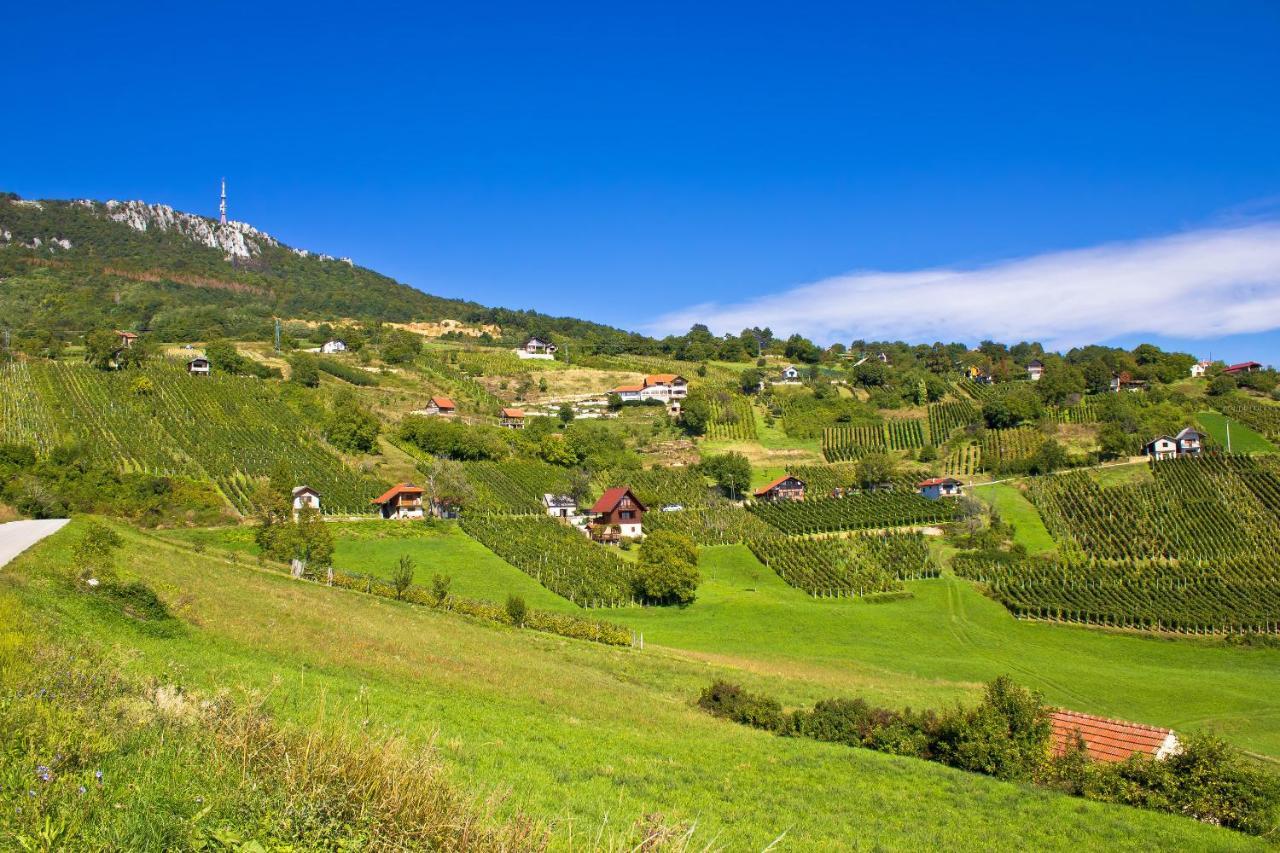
column 18, row 536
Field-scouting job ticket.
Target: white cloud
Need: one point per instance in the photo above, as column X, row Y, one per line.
column 1199, row 284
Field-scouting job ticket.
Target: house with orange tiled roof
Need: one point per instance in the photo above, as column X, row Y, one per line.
column 939, row 487
column 126, row 339
column 439, row 406
column 401, row 501
column 618, row 514
column 1110, row 740
column 512, row 418
column 785, row 488
column 666, row 387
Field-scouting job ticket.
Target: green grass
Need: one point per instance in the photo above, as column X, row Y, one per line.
column 1122, row 475
column 1015, row 509
column 1243, row 439
column 593, row 737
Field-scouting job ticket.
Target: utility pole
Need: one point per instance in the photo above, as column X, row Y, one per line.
column 277, row 334
column 1228, row 423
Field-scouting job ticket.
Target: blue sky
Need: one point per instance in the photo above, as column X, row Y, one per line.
column 624, row 163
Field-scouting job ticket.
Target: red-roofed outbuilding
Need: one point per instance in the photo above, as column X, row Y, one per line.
column 1110, row 740
column 401, row 501
column 785, row 488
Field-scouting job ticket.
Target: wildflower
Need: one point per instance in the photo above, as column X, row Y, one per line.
column 97, row 774
column 44, row 774
column 82, row 789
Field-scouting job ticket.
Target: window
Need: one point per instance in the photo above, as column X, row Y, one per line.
column 627, row 515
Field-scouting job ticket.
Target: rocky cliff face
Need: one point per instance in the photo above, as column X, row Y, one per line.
column 235, row 239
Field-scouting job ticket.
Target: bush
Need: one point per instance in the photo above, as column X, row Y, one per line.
column 730, row 701
column 517, row 611
column 667, row 571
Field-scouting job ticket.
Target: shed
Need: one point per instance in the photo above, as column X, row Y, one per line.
column 1108, row 740
column 401, row 501
column 939, row 487
column 785, row 488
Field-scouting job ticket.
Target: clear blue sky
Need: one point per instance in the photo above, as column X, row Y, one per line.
column 622, row 162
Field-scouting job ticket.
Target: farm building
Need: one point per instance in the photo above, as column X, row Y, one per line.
column 1189, row 442
column 629, row 393
column 785, row 488
column 939, row 487
column 1126, row 382
column 1035, row 370
column 618, row 514
column 439, row 406
column 536, row 348
column 126, row 339
column 1243, row 367
column 1198, row 369
column 512, row 418
column 330, row 347
column 559, row 506
column 790, row 375
column 668, row 386
column 198, row 366
column 882, row 357
column 1161, row 447
column 1110, row 741
column 305, row 497
column 401, row 501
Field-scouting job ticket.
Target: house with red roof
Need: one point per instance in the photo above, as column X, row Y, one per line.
column 439, row 406
column 512, row 418
column 401, row 501
column 126, row 339
column 785, row 488
column 629, row 393
column 656, row 386
column 618, row 514
column 939, row 487
column 1110, row 741
column 1243, row 367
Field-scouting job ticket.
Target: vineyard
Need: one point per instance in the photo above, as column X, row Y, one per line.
column 826, row 515
column 846, row 566
column 1262, row 417
column 843, row 443
column 718, row 525
column 1225, row 597
column 976, row 390
column 515, row 486
column 946, row 418
column 346, row 372
column 1001, row 447
column 657, row 486
column 1084, row 412
column 225, row 429
column 732, row 417
column 963, row 461
column 557, row 556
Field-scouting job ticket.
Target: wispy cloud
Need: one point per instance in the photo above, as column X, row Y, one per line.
column 1198, row 284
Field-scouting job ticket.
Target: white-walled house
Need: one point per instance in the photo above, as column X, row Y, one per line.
column 790, row 375
column 560, row 506
column 1161, row 447
column 1035, row 370
column 1199, row 368
column 305, row 497
column 330, row 347
column 939, row 487
column 536, row 348
column 198, row 366
column 1189, row 441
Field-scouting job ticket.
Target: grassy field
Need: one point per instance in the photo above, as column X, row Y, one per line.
column 1015, row 509
column 1243, row 439
column 584, row 738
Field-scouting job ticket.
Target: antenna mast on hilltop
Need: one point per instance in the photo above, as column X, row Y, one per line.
column 222, row 206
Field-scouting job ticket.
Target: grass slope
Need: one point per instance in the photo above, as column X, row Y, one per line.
column 584, row 736
column 1243, row 438
column 1015, row 509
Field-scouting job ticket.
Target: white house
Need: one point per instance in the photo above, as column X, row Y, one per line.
column 330, row 347
column 559, row 506
column 665, row 386
column 1198, row 369
column 1189, row 442
column 198, row 366
column 790, row 375
column 1035, row 370
column 629, row 393
column 402, row 501
column 305, row 497
column 939, row 487
column 1161, row 447
column 536, row 348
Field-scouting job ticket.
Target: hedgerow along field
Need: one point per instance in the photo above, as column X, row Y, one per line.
column 228, row 430
column 603, row 731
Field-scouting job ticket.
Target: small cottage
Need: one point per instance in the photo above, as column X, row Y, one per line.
column 629, row 393
column 125, row 339
column 198, row 366
column 1110, row 741
column 440, row 406
column 305, row 497
column 330, row 347
column 939, row 487
column 1189, row 442
column 559, row 506
column 536, row 348
column 1199, row 368
column 1161, row 447
column 1126, row 382
column 618, row 514
column 1243, row 367
column 790, row 375
column 401, row 501
column 512, row 418
column 785, row 488
column 1035, row 370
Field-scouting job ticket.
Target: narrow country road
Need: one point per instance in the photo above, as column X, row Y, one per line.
column 18, row 536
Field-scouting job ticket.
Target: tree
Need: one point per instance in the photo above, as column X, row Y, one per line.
column 731, row 472
column 94, row 552
column 1222, row 384
column 517, row 610
column 304, row 370
column 402, row 575
column 351, row 427
column 667, row 569
column 1006, row 736
column 440, row 588
column 1012, row 406
column 100, row 348
column 1048, row 458
column 695, row 413
column 579, row 485
column 565, row 413
column 874, row 469
column 135, row 355
column 749, row 380
column 306, row 541
column 399, row 346
column 447, row 487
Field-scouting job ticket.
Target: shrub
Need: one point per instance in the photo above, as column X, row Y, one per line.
column 402, row 575
column 440, row 587
column 730, row 701
column 667, row 571
column 517, row 611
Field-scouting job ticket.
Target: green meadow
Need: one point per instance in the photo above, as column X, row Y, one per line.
column 1243, row 438
column 589, row 740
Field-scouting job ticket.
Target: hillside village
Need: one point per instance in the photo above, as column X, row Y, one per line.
column 708, row 494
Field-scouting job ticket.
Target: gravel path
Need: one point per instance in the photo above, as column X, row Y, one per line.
column 18, row 536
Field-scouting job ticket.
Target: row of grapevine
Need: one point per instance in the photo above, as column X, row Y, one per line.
column 946, row 418
column 1262, row 417
column 1003, row 446
column 514, row 486
column 346, row 371
column 874, row 510
column 557, row 556
column 714, row 525
column 1187, row 597
column 658, row 486
column 846, row 566
column 977, row 390
column 843, row 443
column 964, row 460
